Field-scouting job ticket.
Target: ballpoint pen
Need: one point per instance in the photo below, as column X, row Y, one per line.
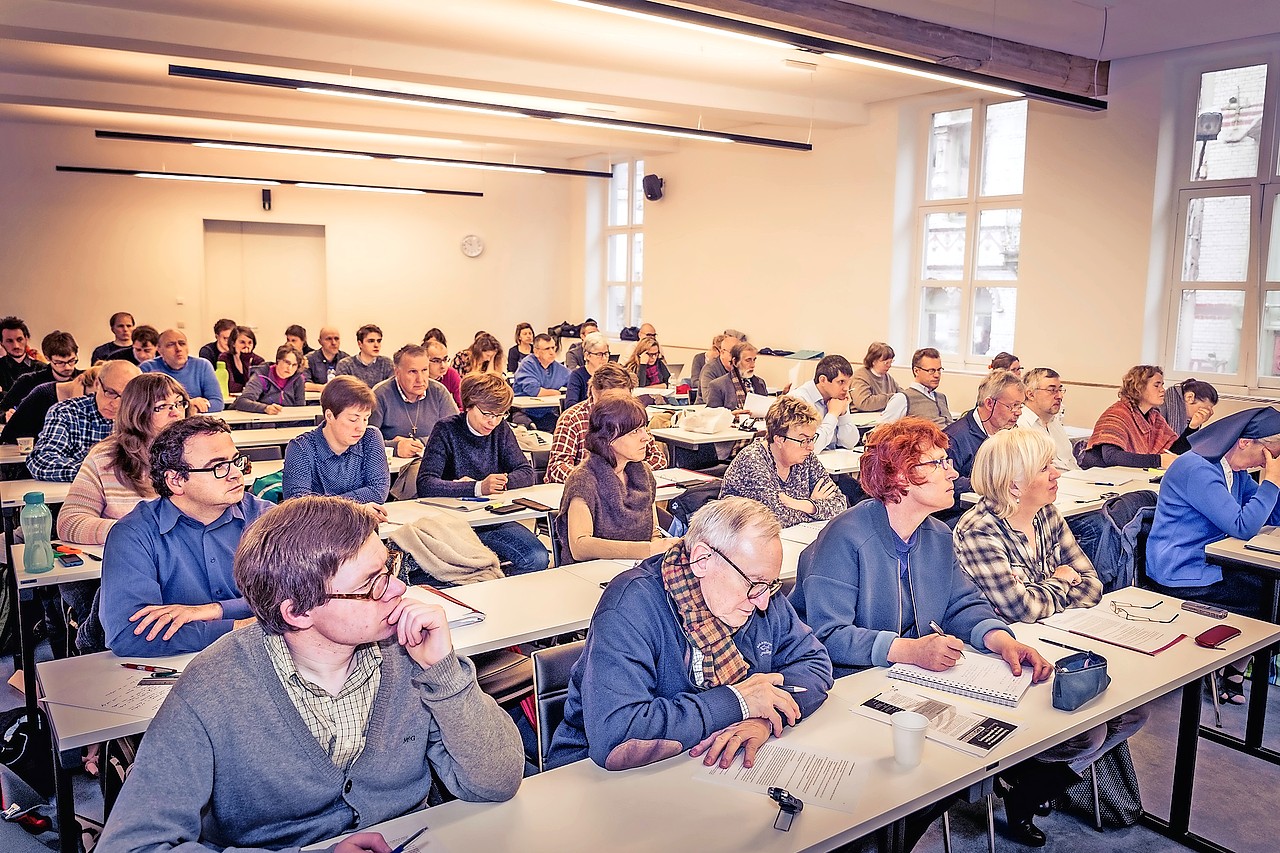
column 790, row 688
column 400, row 848
column 142, row 667
column 941, row 633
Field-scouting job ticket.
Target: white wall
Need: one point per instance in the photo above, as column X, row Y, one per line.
column 79, row 247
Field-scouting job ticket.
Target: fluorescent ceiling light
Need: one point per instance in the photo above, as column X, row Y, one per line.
column 707, row 136
column 217, row 179
column 688, row 25
column 230, row 144
column 277, row 149
column 930, row 75
column 313, row 87
column 265, row 182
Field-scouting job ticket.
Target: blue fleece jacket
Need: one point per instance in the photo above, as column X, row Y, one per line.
column 633, row 684
column 849, row 589
column 1197, row 508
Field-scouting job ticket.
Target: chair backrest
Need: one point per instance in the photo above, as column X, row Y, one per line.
column 691, row 500
column 1118, row 547
column 264, row 454
column 551, row 668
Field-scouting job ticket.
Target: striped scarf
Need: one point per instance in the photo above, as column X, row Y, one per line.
column 722, row 663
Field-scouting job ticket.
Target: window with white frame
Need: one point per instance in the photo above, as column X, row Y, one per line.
column 624, row 247
column 1224, row 316
column 970, row 225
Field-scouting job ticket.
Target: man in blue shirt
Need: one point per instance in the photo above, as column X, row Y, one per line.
column 194, row 374
column 167, row 586
column 540, row 375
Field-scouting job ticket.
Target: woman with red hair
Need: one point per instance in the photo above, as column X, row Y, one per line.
column 880, row 576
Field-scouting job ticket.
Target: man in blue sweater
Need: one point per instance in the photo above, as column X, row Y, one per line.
column 540, row 375
column 691, row 649
column 194, row 374
column 333, row 713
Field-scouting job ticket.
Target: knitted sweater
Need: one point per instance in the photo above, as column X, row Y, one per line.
column 618, row 511
column 870, row 393
column 263, row 389
column 98, row 499
column 454, row 452
column 753, row 473
column 369, row 374
column 223, row 767
column 394, row 417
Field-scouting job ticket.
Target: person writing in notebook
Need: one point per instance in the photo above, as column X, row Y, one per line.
column 344, row 706
column 881, row 585
column 693, row 649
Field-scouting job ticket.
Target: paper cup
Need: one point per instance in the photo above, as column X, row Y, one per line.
column 908, row 737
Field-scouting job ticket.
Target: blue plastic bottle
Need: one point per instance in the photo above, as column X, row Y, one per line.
column 37, row 530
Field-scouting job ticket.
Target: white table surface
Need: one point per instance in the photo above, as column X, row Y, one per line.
column 90, row 570
column 684, row 438
column 289, row 413
column 1077, row 498
column 9, row 454
column 550, row 401
column 11, row 491
column 1235, row 550
column 582, row 807
column 270, row 437
column 841, row 460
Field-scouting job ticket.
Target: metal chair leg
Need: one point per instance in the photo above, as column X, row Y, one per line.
column 991, row 823
column 946, row 832
column 1097, row 807
column 1217, row 706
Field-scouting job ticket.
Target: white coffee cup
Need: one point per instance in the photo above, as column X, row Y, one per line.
column 26, row 445
column 908, row 737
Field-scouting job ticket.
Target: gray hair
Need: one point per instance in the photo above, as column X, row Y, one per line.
column 1032, row 379
column 722, row 522
column 996, row 382
column 595, row 341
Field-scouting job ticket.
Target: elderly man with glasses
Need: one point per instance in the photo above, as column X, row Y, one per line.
column 694, row 650
column 1000, row 399
column 1043, row 411
column 345, row 706
column 167, row 586
column 73, row 427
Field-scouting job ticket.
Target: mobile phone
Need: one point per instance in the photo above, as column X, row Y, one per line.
column 505, row 509
column 70, row 561
column 532, row 504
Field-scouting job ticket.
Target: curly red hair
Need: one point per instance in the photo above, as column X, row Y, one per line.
column 891, row 452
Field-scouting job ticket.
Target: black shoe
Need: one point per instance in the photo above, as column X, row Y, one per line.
column 1022, row 828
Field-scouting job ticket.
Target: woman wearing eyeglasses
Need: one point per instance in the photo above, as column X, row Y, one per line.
column 1017, row 548
column 114, row 477
column 879, row 577
column 780, row 470
column 282, row 384
column 648, row 368
column 595, row 354
column 607, row 510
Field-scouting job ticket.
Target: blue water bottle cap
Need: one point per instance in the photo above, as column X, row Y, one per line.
column 33, row 498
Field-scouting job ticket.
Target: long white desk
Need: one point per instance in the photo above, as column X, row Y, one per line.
column 582, row 807
column 269, row 437
column 1080, row 496
column 548, row 402
column 693, row 440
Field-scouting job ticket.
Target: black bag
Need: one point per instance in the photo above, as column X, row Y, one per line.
column 629, row 333
column 1119, row 799
column 26, row 748
column 691, row 500
column 117, row 760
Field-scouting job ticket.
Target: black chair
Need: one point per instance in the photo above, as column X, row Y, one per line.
column 264, row 454
column 551, row 668
column 504, row 674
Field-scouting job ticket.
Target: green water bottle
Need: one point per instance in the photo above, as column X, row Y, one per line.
column 224, row 378
column 37, row 531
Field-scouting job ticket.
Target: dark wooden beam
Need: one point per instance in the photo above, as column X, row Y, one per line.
column 946, row 45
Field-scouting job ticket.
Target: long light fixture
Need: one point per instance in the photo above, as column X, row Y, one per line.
column 683, row 17
column 433, row 101
column 262, row 182
column 236, row 145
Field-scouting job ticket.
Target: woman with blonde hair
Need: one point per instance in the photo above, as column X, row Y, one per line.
column 1017, row 548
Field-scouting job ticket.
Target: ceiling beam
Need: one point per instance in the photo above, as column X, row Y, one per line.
column 948, row 46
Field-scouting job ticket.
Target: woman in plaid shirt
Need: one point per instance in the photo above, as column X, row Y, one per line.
column 1019, row 551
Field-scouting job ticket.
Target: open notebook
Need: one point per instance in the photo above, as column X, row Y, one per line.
column 977, row 676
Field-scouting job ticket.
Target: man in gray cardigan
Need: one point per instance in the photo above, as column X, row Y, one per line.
column 333, row 713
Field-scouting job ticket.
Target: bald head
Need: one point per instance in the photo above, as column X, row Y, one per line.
column 330, row 341
column 173, row 348
column 112, row 378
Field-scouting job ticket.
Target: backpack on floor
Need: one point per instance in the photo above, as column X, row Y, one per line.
column 1119, row 799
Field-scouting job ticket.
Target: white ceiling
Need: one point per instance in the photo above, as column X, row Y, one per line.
column 103, row 64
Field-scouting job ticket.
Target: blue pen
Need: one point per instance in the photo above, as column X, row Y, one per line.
column 475, row 500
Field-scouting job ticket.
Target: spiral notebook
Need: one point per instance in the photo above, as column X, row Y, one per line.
column 977, row 676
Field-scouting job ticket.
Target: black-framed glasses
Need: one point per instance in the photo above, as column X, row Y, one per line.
column 178, row 405
column 803, row 441
column 755, row 588
column 441, row 360
column 945, row 463
column 497, row 415
column 378, row 586
column 222, row 470
column 1124, row 611
column 63, row 362
column 932, row 371
column 110, row 393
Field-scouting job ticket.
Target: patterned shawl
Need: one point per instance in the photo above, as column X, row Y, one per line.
column 722, row 663
column 1125, row 427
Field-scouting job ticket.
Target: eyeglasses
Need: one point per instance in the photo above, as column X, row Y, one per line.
column 492, row 415
column 803, row 441
column 598, row 352
column 1122, row 609
column 932, row 371
column 63, row 362
column 178, row 405
column 111, row 393
column 755, row 589
column 222, row 470
column 378, row 586
column 945, row 463
column 1053, row 390
column 440, row 360
column 1013, row 407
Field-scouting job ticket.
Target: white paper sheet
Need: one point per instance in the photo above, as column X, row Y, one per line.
column 120, row 693
column 818, row 778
